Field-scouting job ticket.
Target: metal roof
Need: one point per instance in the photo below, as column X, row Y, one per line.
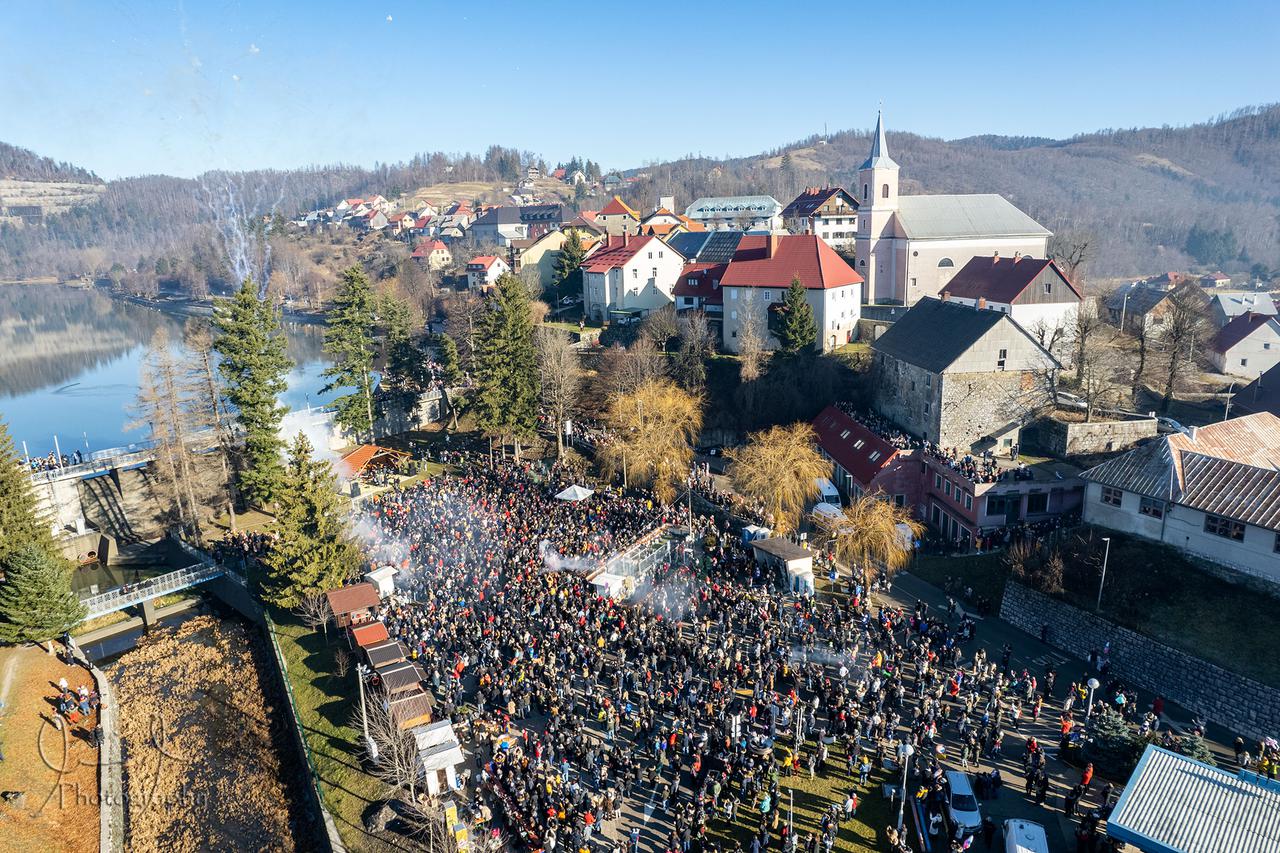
column 1174, row 804
column 734, row 205
column 932, row 217
column 879, row 156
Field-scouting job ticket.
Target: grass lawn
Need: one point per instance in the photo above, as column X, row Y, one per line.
column 812, row 797
column 325, row 706
column 986, row 573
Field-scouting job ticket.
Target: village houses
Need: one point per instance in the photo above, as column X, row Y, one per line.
column 1247, row 346
column 484, row 270
column 827, row 212
column 1033, row 291
column 628, row 278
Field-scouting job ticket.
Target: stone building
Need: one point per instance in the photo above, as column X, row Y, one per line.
column 959, row 376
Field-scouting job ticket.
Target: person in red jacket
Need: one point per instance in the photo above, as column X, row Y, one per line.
column 1085, row 778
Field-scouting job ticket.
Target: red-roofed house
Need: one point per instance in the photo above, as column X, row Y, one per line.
column 698, row 288
column 618, row 218
column 1034, row 291
column 864, row 463
column 628, row 277
column 762, row 269
column 1247, row 346
column 483, row 270
column 828, row 212
column 434, row 253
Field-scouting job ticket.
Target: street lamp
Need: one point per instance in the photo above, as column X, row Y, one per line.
column 1093, row 685
column 1101, row 581
column 905, row 751
column 370, row 745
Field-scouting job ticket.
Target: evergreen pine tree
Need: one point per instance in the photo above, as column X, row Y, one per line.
column 569, row 259
column 349, row 339
column 407, row 371
column 507, row 386
column 36, row 601
column 313, row 551
column 253, row 366
column 20, row 522
column 797, row 332
column 1113, row 747
column 1193, row 746
column 450, row 375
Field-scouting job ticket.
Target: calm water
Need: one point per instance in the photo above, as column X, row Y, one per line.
column 70, row 358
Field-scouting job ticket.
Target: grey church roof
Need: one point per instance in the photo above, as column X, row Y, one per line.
column 934, row 217
column 879, row 156
column 933, row 334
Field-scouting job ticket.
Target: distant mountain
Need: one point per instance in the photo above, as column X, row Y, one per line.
column 23, row 165
column 1136, row 194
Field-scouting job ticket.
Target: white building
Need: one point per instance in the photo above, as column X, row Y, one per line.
column 1034, row 291
column 760, row 273
column 1248, row 346
column 910, row 246
column 827, row 212
column 439, row 756
column 628, row 278
column 1214, row 493
column 484, row 270
column 737, row 213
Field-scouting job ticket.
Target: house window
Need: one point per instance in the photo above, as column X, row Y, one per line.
column 845, row 434
column 1004, row 355
column 1151, row 507
column 1244, row 362
column 1266, row 346
column 651, row 256
column 768, row 296
column 937, row 481
column 946, row 487
column 926, row 408
column 635, row 272
column 1225, row 527
column 1037, row 502
column 659, row 254
column 901, row 500
column 1111, row 497
column 884, row 191
column 946, row 262
column 857, row 445
column 913, row 282
column 655, row 273
column 733, row 315
column 968, row 501
column 875, row 454
column 733, row 294
column 1048, row 287
column 864, row 192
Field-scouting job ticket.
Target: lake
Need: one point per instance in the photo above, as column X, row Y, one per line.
column 70, row 361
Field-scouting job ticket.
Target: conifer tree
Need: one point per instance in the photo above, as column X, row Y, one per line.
column 570, row 257
column 36, row 601
column 253, row 366
column 20, row 522
column 407, row 372
column 349, row 339
column 797, row 332
column 313, row 551
column 450, row 375
column 507, row 365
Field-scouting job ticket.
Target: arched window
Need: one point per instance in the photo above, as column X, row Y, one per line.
column 946, row 262
column 864, row 192
column 884, row 191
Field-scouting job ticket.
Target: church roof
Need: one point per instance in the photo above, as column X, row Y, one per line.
column 934, row 217
column 879, row 156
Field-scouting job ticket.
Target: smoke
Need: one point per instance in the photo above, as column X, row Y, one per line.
column 233, row 205
column 672, row 598
column 554, row 561
column 318, row 427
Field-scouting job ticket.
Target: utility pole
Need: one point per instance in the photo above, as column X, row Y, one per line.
column 1102, row 581
column 1226, row 412
column 364, row 716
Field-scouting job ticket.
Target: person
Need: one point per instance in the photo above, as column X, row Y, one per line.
column 988, row 831
column 1086, row 778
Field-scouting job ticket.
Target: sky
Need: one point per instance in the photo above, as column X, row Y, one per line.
column 129, row 88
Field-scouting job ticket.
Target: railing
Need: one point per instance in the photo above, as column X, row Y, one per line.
column 128, row 596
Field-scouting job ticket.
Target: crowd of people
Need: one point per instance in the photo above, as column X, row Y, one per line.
column 669, row 720
column 52, row 461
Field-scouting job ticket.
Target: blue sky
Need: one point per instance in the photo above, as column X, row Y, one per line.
column 127, row 88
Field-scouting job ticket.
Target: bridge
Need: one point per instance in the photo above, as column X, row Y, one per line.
column 143, row 592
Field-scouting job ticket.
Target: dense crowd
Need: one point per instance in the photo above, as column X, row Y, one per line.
column 53, row 461
column 692, row 700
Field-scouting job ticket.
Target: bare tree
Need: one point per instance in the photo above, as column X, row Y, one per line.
column 1096, row 381
column 314, row 612
column 1070, row 250
column 561, row 373
column 1185, row 327
column 625, row 369
column 209, row 407
column 695, row 345
column 397, row 762
column 1087, row 324
column 751, row 339
column 463, row 312
column 425, row 815
column 661, row 326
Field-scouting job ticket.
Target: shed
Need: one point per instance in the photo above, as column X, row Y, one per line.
column 411, row 708
column 439, row 755
column 352, row 604
column 383, row 580
column 752, row 532
column 401, row 677
column 369, row 634
column 369, row 456
column 793, row 563
column 388, row 651
column 1175, row 804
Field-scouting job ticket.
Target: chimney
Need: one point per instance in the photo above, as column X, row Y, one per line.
column 1195, row 432
column 626, row 238
column 982, row 303
column 667, row 201
column 1017, row 256
column 946, row 296
column 995, row 257
column 771, row 245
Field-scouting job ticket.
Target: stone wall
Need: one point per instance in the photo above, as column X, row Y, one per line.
column 1074, row 439
column 978, row 408
column 1241, row 704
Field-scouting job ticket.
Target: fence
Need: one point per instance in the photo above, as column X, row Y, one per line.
column 129, row 595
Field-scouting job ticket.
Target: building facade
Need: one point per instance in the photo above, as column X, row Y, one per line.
column 737, row 213
column 628, row 278
column 827, row 212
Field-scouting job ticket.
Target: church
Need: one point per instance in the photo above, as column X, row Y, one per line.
column 909, row 247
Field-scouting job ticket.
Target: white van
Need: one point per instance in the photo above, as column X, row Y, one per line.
column 1023, row 836
column 962, row 807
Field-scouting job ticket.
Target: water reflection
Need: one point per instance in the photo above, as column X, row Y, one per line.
column 70, row 357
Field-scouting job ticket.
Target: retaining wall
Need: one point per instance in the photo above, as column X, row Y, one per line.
column 110, row 762
column 1241, row 704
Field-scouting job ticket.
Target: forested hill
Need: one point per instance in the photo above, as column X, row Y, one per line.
column 22, row 165
column 1140, row 195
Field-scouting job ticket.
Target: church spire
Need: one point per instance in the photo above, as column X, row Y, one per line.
column 879, row 156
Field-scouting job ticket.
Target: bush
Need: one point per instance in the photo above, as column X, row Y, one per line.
column 1112, row 746
column 1193, row 746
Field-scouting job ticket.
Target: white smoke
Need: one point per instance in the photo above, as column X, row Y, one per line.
column 318, row 427
column 232, row 205
column 554, row 561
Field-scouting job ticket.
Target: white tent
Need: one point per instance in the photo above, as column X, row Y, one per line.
column 574, row 493
column 828, row 490
column 752, row 532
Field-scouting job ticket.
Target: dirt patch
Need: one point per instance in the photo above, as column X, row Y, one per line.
column 57, row 771
column 208, row 763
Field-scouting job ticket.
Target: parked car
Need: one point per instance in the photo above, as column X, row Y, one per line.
column 962, row 805
column 1169, row 425
column 1023, row 836
column 1071, row 401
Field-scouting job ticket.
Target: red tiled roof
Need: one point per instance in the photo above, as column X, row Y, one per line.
column 852, row 445
column 811, row 199
column 558, row 173
column 424, row 249
column 695, row 280
column 773, row 261
column 1238, row 329
column 367, row 635
column 618, row 207
column 481, row 261
column 1001, row 279
column 349, row 599
column 617, row 252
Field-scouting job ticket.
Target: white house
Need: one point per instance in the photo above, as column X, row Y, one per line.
column 484, row 270
column 762, row 269
column 909, row 247
column 827, row 212
column 628, row 277
column 434, row 253
column 1225, row 307
column 1214, row 493
column 737, row 213
column 1034, row 291
column 1248, row 346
